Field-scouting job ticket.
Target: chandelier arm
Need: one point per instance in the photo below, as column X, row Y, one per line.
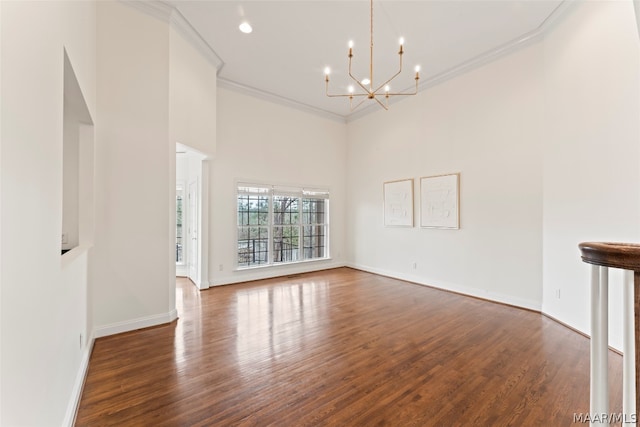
column 357, row 105
column 415, row 92
column 350, row 95
column 338, row 95
column 381, row 104
column 392, row 77
column 356, row 80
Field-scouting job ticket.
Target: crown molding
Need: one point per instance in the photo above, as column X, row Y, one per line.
column 277, row 99
column 180, row 23
column 156, row 9
column 165, row 12
column 484, row 58
column 636, row 8
column 460, row 69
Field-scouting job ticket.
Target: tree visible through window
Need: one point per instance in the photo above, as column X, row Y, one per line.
column 281, row 225
column 253, row 230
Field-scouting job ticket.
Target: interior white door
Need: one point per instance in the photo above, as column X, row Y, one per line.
column 194, row 253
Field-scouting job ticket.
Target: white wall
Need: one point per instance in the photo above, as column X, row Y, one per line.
column 44, row 297
column 258, row 141
column 547, row 143
column 192, row 102
column 135, row 173
column 486, row 125
column 591, row 152
column 192, row 96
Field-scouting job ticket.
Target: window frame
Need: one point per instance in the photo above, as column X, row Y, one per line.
column 271, row 192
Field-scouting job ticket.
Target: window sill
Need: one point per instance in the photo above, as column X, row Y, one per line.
column 281, row 264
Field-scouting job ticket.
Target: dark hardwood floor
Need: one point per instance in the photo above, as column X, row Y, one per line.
column 341, row 348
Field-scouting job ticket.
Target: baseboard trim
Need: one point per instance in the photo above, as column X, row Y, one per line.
column 578, row 331
column 140, row 323
column 455, row 288
column 78, row 385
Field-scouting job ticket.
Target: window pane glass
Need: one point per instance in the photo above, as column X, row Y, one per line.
column 253, row 246
column 313, row 241
column 313, row 211
column 253, row 209
column 286, row 244
column 285, row 210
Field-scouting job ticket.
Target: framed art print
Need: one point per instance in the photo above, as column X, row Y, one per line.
column 398, row 203
column 440, row 201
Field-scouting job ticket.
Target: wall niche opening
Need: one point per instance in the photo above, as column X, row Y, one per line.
column 77, row 165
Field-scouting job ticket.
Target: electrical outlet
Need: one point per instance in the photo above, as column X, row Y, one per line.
column 558, row 293
column 415, row 265
column 65, row 238
column 80, row 340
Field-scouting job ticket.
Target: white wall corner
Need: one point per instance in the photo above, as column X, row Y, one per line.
column 204, row 284
column 78, row 385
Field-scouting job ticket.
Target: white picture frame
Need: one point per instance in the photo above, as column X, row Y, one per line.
column 398, row 203
column 440, row 201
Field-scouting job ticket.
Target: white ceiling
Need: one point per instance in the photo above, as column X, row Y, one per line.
column 293, row 41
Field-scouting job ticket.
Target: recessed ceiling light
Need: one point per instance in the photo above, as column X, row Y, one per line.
column 245, row 27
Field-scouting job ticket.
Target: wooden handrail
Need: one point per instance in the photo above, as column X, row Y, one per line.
column 626, row 256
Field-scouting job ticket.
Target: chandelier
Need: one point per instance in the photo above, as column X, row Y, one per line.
column 365, row 88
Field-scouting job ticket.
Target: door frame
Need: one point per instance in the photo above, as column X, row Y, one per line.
column 198, row 172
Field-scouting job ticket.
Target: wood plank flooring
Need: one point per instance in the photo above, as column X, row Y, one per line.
column 341, row 348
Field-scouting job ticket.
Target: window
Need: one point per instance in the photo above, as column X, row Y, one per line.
column 279, row 225
column 179, row 225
